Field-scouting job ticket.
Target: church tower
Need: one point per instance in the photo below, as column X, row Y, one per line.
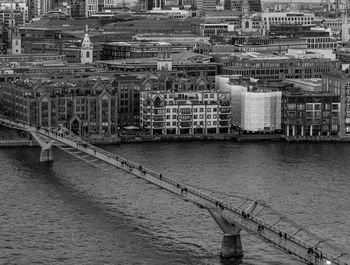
column 87, row 49
column 16, row 42
column 164, row 61
column 247, row 22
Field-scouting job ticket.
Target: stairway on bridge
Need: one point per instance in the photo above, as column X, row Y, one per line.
column 231, row 217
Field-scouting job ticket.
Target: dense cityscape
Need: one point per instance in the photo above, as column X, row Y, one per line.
column 124, row 127
column 114, row 71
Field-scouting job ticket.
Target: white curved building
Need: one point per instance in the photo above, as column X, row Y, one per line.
column 261, row 110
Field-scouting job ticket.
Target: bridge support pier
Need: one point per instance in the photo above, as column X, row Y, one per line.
column 231, row 247
column 46, row 154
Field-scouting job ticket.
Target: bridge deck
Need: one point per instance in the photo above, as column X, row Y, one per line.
column 281, row 239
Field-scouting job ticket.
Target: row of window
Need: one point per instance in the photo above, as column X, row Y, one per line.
column 195, row 123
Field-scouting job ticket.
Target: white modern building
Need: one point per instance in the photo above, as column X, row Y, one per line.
column 200, row 112
column 303, row 18
column 172, row 38
column 174, row 12
column 232, row 84
column 261, row 110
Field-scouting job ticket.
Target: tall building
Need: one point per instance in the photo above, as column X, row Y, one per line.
column 206, row 5
column 345, row 28
column 78, row 8
column 91, row 7
column 254, row 5
column 41, row 7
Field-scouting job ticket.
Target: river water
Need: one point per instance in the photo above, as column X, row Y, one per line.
column 68, row 212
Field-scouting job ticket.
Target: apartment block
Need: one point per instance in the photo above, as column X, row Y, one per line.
column 202, row 112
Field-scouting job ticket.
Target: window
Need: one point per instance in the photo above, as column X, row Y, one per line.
column 168, row 116
column 208, row 116
column 201, row 116
column 195, row 110
column 201, row 109
column 87, row 54
column 195, row 116
column 167, row 110
column 309, row 106
column 174, row 116
column 209, row 123
column 208, row 109
column 291, row 106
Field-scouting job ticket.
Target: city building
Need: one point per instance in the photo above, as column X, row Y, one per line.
column 307, row 85
column 309, row 114
column 300, row 18
column 193, row 64
column 338, row 84
column 91, row 7
column 260, row 110
column 213, row 29
column 172, row 38
column 134, row 50
column 181, row 113
column 206, row 5
column 71, row 50
column 277, row 67
column 87, row 108
column 234, row 85
column 173, row 12
column 254, row 5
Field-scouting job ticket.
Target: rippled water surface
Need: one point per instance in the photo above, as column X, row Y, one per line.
column 68, row 212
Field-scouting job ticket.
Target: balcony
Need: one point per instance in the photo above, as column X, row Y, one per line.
column 224, row 117
column 185, row 124
column 158, row 119
column 158, row 112
column 225, row 110
column 224, row 124
column 225, row 104
column 158, row 125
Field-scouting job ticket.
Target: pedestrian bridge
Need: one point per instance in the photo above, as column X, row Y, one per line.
column 248, row 215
